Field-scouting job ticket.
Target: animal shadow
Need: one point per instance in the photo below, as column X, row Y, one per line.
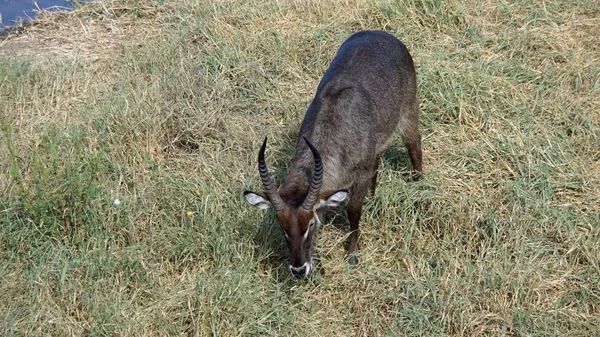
column 398, row 160
column 270, row 242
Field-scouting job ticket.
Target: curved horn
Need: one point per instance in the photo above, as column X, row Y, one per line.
column 316, row 181
column 269, row 187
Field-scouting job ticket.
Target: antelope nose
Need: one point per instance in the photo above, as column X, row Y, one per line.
column 301, row 271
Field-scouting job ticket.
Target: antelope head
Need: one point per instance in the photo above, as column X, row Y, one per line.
column 298, row 222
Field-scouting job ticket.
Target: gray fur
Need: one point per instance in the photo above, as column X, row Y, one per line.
column 368, row 92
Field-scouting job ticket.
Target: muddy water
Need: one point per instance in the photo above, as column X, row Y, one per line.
column 16, row 12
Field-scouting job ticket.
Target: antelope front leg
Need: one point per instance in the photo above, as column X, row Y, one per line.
column 354, row 210
column 374, row 178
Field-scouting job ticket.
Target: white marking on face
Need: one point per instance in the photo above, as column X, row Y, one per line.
column 307, row 266
column 308, row 269
column 311, row 225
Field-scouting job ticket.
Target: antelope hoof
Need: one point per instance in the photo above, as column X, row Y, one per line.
column 413, row 176
column 352, row 260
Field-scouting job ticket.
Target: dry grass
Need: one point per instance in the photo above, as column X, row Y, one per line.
column 97, row 30
column 163, row 107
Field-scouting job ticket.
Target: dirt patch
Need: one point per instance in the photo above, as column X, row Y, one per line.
column 96, row 30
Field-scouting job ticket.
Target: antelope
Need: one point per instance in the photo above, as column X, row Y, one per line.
column 368, row 93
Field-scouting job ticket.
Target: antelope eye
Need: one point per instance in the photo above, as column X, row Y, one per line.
column 312, row 223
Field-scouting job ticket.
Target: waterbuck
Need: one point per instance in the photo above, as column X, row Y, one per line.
column 368, row 92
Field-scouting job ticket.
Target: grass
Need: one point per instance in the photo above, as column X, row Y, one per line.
column 164, row 106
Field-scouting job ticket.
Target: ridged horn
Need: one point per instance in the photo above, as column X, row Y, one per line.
column 316, row 180
column 268, row 185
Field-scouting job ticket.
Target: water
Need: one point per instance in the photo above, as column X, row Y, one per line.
column 16, row 12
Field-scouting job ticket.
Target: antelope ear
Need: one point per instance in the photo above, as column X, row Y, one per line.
column 258, row 200
column 332, row 198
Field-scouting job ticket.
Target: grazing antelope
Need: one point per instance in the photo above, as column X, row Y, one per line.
column 368, row 92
